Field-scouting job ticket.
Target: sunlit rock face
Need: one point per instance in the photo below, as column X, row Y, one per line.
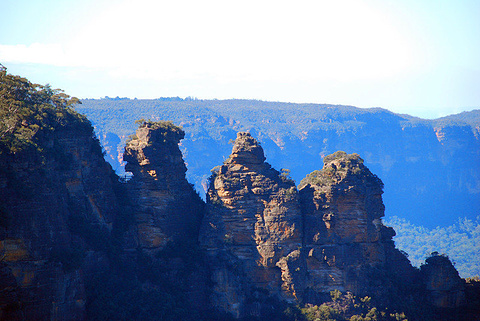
column 262, row 236
column 343, row 201
column 253, row 221
column 166, row 207
column 344, row 235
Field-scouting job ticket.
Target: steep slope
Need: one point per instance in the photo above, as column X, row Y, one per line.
column 166, row 217
column 58, row 204
column 78, row 244
column 348, row 246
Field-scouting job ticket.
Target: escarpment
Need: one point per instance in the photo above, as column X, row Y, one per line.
column 58, row 207
column 77, row 244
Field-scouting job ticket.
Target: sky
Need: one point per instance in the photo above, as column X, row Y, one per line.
column 415, row 57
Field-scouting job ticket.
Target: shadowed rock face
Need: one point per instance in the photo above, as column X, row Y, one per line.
column 167, row 209
column 444, row 285
column 55, row 205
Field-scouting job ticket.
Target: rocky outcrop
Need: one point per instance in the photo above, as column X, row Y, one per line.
column 58, row 208
column 344, row 234
column 76, row 243
column 253, row 220
column 428, row 165
column 262, row 234
column 166, row 207
column 63, row 223
column 444, row 286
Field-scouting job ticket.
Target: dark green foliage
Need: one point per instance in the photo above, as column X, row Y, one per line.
column 321, row 313
column 285, row 176
column 30, row 112
column 165, row 131
column 340, row 165
column 335, row 295
column 347, row 307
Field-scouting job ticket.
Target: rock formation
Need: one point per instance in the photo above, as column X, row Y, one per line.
column 260, row 233
column 167, row 214
column 444, row 285
column 253, row 220
column 344, row 235
column 57, row 207
column 167, row 208
column 77, row 244
column 265, row 242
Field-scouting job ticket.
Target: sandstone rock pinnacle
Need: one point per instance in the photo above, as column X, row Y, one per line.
column 167, row 209
column 253, row 219
column 246, row 150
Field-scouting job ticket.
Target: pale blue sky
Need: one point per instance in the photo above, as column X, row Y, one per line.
column 415, row 57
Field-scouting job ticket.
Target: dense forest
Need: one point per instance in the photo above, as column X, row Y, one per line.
column 460, row 241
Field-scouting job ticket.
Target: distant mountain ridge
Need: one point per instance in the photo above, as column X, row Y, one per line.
column 431, row 168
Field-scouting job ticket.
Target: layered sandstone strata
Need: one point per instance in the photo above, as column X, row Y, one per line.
column 57, row 209
column 253, row 220
column 342, row 207
column 166, row 207
column 260, row 233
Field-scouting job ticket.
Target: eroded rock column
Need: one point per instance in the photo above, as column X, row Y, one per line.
column 253, row 220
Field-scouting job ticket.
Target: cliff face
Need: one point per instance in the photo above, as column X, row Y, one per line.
column 444, row 285
column 77, row 244
column 264, row 241
column 253, row 220
column 428, row 166
column 166, row 207
column 348, row 246
column 263, row 235
column 166, row 214
column 58, row 208
column 343, row 208
column 71, row 234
